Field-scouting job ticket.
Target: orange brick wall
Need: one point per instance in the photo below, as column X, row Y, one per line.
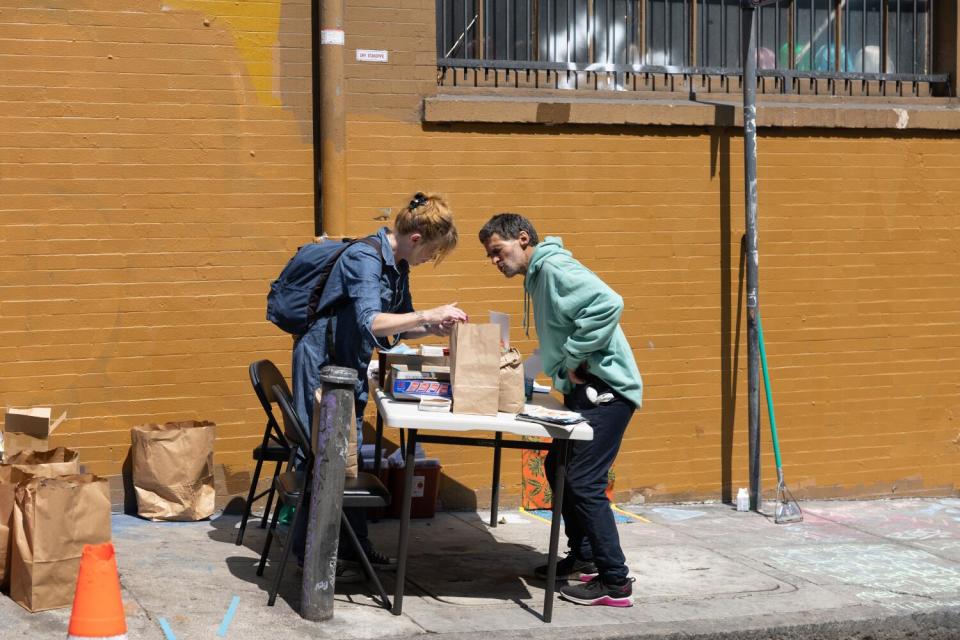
column 858, row 279
column 156, row 174
column 156, row 170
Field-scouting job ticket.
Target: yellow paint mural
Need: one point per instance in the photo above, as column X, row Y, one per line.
column 255, row 28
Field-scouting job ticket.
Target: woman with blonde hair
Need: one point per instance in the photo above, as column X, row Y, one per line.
column 369, row 305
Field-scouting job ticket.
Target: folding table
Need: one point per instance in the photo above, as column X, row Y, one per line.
column 407, row 417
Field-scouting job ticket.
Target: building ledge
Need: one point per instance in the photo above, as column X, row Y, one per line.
column 838, row 113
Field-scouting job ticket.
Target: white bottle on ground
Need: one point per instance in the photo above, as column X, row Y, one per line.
column 743, row 499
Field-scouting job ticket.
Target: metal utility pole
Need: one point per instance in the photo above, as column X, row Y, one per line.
column 330, row 440
column 331, row 118
column 749, row 52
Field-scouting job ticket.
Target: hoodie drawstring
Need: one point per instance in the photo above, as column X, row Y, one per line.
column 526, row 312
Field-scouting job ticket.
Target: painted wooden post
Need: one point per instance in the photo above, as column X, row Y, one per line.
column 334, row 416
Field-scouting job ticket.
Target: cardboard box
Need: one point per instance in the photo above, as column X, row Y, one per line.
column 413, row 362
column 28, row 429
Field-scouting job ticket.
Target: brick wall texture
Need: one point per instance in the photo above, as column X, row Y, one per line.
column 156, row 174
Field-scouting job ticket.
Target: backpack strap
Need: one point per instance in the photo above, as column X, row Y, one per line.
column 315, row 313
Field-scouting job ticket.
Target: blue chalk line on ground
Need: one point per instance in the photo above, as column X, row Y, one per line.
column 167, row 631
column 228, row 617
column 619, row 515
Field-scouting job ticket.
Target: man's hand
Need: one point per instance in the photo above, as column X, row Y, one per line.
column 442, row 329
column 578, row 375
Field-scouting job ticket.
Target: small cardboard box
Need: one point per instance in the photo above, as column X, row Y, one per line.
column 28, row 429
column 413, row 361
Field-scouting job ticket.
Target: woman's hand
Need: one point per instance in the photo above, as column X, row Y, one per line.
column 444, row 317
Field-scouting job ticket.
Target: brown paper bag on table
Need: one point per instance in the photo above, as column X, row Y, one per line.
column 52, row 519
column 475, row 368
column 173, row 470
column 512, row 396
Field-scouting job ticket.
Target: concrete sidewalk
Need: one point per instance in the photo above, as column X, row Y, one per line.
column 866, row 569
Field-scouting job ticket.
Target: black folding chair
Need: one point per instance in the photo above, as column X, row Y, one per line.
column 264, row 375
column 293, row 485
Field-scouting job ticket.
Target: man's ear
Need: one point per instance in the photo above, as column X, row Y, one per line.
column 524, row 238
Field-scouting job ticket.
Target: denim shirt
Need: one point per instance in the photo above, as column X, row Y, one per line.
column 361, row 285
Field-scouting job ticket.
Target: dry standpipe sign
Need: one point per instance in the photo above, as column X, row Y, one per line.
column 372, row 55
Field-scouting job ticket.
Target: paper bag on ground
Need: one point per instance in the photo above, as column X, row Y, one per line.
column 173, row 470
column 8, row 487
column 351, row 467
column 52, row 519
column 475, row 368
column 512, row 394
column 28, row 429
column 46, row 464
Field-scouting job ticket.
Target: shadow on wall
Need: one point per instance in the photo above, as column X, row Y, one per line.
column 729, row 330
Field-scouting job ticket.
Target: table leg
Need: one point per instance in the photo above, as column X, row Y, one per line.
column 495, row 490
column 559, row 479
column 378, row 446
column 405, row 521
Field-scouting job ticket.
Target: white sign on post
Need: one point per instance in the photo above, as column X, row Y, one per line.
column 372, row 55
column 331, row 36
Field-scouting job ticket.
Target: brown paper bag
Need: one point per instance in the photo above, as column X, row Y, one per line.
column 8, row 487
column 46, row 464
column 52, row 519
column 475, row 368
column 173, row 470
column 20, row 467
column 512, row 396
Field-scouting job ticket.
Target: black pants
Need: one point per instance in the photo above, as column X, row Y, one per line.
column 588, row 519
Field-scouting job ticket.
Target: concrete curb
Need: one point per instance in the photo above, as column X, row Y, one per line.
column 942, row 624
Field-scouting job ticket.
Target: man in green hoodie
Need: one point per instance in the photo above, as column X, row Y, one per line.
column 586, row 353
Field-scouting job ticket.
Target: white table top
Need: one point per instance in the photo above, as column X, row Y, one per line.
column 405, row 415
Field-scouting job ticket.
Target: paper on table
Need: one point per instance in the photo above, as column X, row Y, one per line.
column 503, row 321
column 536, row 413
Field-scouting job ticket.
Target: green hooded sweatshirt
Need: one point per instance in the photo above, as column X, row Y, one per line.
column 578, row 319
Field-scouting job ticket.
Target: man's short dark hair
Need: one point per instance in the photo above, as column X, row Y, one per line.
column 508, row 226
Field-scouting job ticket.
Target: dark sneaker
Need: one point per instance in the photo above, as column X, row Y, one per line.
column 570, row 568
column 349, row 575
column 596, row 592
column 378, row 561
column 346, row 574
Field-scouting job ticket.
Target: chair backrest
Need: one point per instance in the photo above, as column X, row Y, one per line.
column 293, row 429
column 264, row 375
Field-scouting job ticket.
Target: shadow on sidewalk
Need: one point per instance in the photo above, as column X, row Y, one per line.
column 453, row 559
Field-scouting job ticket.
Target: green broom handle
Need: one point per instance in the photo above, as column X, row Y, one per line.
column 766, row 389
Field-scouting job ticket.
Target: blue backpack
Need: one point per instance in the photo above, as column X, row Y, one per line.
column 294, row 297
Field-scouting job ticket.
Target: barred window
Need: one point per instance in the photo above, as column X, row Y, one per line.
column 853, row 39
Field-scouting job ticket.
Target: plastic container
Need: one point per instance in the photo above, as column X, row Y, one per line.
column 743, row 499
column 426, row 486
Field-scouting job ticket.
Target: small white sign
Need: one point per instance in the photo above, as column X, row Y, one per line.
column 419, row 485
column 331, row 36
column 372, row 55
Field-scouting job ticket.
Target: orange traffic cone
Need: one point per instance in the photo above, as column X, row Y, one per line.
column 97, row 606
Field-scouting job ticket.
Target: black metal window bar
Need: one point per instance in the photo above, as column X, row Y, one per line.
column 622, row 44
